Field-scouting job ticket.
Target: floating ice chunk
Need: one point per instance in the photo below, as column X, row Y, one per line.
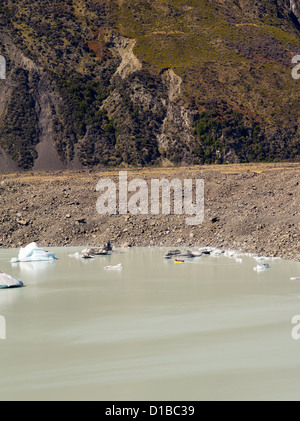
column 230, row 253
column 260, row 268
column 77, row 255
column 196, row 253
column 206, row 250
column 172, row 253
column 217, row 253
column 261, row 258
column 96, row 251
column 32, row 253
column 82, row 255
column 7, row 281
column 116, row 267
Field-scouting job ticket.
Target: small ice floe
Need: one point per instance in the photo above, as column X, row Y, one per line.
column 178, row 254
column 76, row 255
column 260, row 268
column 172, row 253
column 188, row 254
column 7, row 281
column 116, row 267
column 82, row 255
column 217, row 253
column 85, row 255
column 238, row 260
column 196, row 253
column 206, row 251
column 32, row 253
column 96, row 251
column 261, row 258
column 231, row 254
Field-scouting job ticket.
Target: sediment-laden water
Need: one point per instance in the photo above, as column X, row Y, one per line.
column 210, row 328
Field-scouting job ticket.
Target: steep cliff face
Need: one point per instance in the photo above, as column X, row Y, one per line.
column 295, row 8
column 143, row 82
column 58, row 73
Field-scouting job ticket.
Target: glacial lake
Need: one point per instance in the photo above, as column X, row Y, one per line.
column 210, row 328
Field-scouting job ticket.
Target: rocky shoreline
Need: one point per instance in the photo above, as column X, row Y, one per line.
column 251, row 208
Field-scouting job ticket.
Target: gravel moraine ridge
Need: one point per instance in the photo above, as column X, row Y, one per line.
column 248, row 208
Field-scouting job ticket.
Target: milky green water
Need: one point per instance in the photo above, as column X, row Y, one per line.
column 207, row 329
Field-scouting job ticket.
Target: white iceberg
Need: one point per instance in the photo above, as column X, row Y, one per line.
column 217, row 253
column 7, row 281
column 260, row 268
column 32, row 253
column 116, row 267
column 231, row 254
column 77, row 255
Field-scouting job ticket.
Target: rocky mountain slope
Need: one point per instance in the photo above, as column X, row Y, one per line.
column 105, row 83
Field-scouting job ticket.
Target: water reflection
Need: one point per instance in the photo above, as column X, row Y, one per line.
column 32, row 271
